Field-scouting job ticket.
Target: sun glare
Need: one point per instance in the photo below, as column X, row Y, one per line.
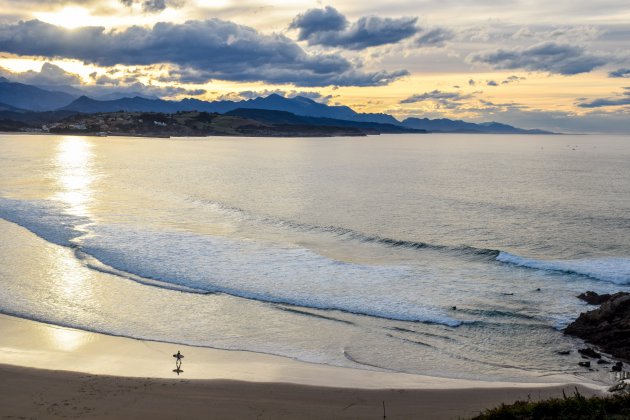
column 69, row 17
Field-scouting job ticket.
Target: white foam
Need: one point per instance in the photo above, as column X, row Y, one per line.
column 262, row 271
column 610, row 269
column 46, row 219
column 255, row 270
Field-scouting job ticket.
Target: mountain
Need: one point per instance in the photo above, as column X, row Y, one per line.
column 444, row 125
column 88, row 105
column 5, row 107
column 298, row 105
column 112, row 96
column 32, row 98
column 70, row 90
column 272, row 117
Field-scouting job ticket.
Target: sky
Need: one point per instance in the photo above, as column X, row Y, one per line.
column 561, row 65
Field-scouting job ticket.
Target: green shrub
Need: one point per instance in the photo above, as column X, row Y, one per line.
column 573, row 407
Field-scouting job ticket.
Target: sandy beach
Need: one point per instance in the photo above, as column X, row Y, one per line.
column 54, row 372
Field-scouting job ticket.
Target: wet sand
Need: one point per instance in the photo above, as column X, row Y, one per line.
column 52, row 372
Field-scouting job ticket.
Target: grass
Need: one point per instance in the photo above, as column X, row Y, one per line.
column 573, row 407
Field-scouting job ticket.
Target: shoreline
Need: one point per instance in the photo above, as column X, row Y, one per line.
column 51, row 371
column 33, row 344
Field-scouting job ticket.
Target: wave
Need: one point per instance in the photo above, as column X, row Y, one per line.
column 616, row 270
column 610, row 269
column 44, row 218
column 269, row 272
column 341, row 232
column 254, row 270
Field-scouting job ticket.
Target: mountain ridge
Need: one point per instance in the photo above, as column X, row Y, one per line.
column 19, row 98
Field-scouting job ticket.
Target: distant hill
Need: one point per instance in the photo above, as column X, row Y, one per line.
column 32, row 98
column 283, row 117
column 194, row 123
column 444, row 125
column 34, row 119
column 5, row 107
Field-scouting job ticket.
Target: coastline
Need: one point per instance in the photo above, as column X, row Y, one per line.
column 52, row 371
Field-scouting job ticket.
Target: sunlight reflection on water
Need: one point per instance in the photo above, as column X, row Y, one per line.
column 74, row 174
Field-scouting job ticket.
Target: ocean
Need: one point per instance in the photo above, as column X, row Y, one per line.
column 449, row 255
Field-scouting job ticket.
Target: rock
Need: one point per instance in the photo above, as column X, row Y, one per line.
column 617, row 367
column 589, row 352
column 564, row 352
column 593, row 298
column 607, row 327
column 585, row 364
column 603, row 362
column 619, row 386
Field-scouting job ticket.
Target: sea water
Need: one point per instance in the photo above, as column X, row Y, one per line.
column 450, row 255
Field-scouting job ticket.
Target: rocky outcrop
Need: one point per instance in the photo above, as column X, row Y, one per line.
column 607, row 327
column 593, row 298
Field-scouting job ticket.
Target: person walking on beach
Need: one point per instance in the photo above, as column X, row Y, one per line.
column 178, row 362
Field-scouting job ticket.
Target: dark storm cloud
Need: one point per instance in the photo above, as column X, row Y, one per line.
column 620, row 73
column 199, row 51
column 328, row 27
column 436, row 37
column 546, row 57
column 318, row 20
column 622, row 99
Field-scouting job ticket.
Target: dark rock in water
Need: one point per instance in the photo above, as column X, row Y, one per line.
column 603, row 362
column 593, row 298
column 454, row 308
column 589, row 352
column 607, row 327
column 564, row 352
column 585, row 364
column 619, row 386
column 617, row 367
column 538, row 289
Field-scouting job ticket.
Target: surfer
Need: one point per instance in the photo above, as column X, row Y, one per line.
column 178, row 356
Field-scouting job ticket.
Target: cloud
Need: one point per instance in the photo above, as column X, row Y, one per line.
column 198, row 51
column 49, row 75
column 507, row 81
column 327, row 27
column 620, row 100
column 513, row 79
column 436, row 37
column 53, row 77
column 153, row 6
column 620, row 73
column 448, row 100
column 546, row 57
